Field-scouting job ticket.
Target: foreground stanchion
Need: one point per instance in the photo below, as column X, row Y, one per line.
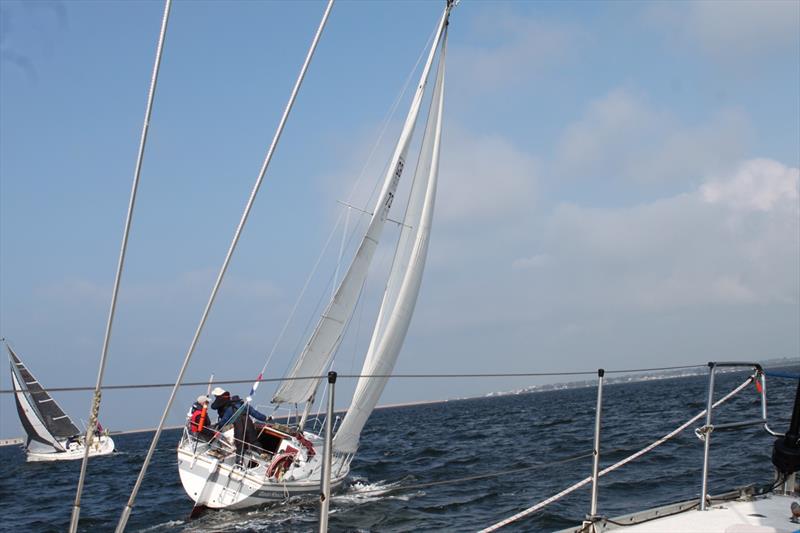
column 592, row 516
column 618, row 464
column 327, row 455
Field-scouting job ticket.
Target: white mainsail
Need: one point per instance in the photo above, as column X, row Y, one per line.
column 317, row 354
column 404, row 281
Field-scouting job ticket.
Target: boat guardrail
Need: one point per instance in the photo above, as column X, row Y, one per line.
column 703, row 432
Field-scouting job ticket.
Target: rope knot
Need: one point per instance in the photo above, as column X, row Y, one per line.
column 702, row 431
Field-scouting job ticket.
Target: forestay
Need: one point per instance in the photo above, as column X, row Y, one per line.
column 404, row 281
column 319, row 350
column 44, row 421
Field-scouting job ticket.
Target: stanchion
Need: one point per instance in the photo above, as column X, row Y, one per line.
column 592, row 516
column 327, row 455
column 712, row 370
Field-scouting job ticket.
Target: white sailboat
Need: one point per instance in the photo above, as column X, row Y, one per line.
column 50, row 433
column 289, row 459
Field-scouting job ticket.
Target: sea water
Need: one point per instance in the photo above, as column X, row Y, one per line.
column 403, row 449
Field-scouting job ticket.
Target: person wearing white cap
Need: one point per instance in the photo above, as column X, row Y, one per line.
column 244, row 432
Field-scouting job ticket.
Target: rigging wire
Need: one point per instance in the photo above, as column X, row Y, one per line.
column 95, row 409
column 129, row 507
column 356, row 376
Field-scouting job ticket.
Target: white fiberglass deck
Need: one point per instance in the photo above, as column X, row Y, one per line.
column 763, row 514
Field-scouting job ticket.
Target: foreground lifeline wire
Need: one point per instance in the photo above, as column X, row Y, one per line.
column 616, row 465
column 356, row 376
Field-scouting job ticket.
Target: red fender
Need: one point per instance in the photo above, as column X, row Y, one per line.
column 280, row 463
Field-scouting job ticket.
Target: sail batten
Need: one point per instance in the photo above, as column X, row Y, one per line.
column 404, row 281
column 318, row 351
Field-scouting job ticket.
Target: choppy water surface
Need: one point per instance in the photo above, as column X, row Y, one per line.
column 438, row 442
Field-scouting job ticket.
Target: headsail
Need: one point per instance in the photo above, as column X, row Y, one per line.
column 404, row 282
column 317, row 354
column 44, row 421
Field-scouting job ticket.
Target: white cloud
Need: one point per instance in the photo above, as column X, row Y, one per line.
column 678, row 254
column 758, row 185
column 536, row 261
column 514, row 48
column 621, row 136
column 751, row 28
column 732, row 32
column 735, row 239
column 483, row 178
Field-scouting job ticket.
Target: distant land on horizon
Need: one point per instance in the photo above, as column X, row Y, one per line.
column 783, row 362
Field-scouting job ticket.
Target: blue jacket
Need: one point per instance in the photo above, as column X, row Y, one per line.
column 227, row 410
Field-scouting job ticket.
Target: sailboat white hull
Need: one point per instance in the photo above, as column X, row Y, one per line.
column 213, row 479
column 101, row 446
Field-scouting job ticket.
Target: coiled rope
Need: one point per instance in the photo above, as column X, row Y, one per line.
column 616, row 465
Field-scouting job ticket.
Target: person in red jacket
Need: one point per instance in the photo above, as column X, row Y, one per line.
column 199, row 424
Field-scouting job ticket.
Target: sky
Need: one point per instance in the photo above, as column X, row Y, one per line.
column 618, row 189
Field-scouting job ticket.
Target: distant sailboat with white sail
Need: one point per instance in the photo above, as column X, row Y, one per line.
column 51, row 435
column 288, row 459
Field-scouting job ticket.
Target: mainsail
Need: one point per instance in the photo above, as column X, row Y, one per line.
column 319, row 350
column 404, row 281
column 44, row 421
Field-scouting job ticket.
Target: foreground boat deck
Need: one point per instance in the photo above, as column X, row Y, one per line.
column 770, row 513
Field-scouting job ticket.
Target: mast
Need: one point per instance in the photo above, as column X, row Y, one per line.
column 404, row 281
column 327, row 335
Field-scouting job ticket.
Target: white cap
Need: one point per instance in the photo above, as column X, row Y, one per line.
column 202, row 398
column 218, row 391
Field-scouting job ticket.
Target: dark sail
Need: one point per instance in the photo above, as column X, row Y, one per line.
column 47, row 410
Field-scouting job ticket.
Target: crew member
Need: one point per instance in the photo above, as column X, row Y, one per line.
column 244, row 432
column 199, row 423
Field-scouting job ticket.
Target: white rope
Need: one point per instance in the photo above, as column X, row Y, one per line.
column 242, row 221
column 95, row 408
column 613, row 467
